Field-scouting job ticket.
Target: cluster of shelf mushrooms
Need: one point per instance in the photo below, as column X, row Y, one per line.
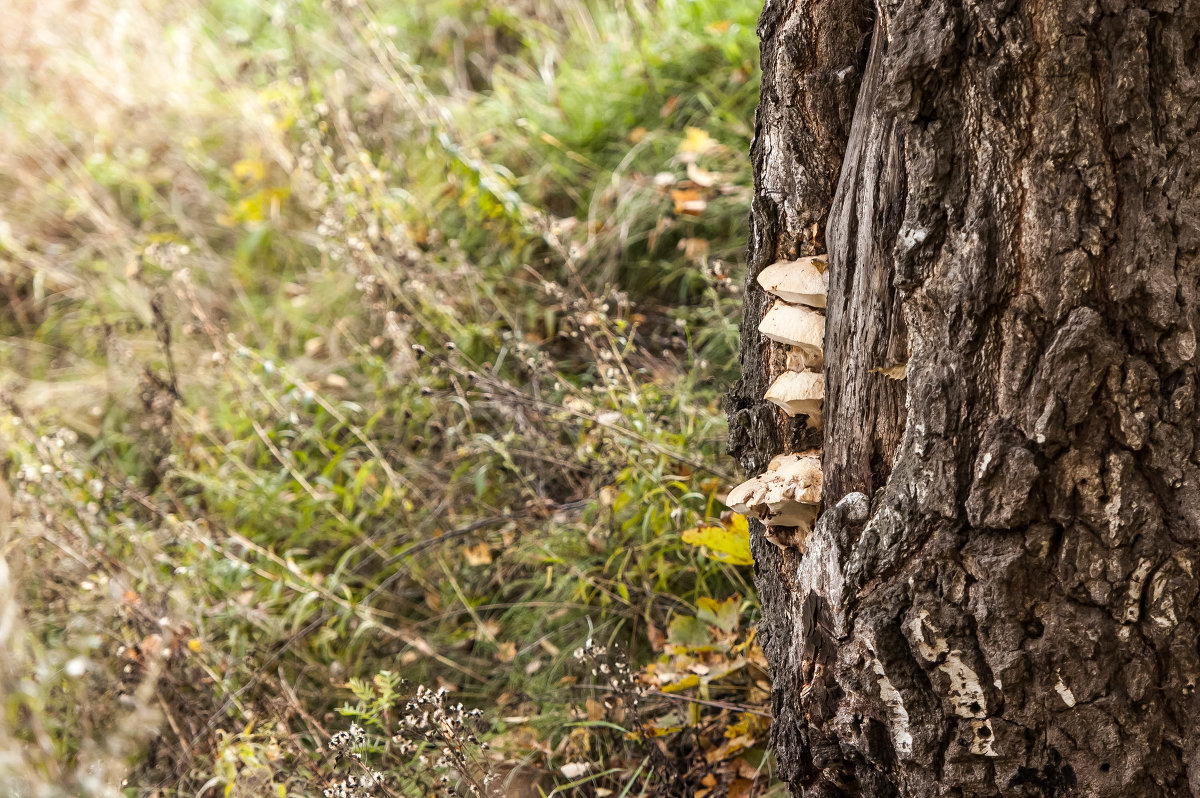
column 788, row 496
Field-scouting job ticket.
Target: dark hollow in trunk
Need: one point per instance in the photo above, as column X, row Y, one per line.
column 1009, row 195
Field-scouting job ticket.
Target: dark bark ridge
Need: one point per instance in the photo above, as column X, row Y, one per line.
column 1013, row 209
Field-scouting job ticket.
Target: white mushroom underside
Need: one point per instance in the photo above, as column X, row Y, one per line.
column 802, row 281
column 798, row 392
column 798, row 326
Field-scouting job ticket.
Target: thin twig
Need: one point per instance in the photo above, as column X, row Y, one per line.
column 689, row 699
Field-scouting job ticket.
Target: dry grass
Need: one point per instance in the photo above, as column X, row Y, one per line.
column 349, row 344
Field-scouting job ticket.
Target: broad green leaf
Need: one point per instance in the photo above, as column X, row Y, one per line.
column 723, row 615
column 688, row 631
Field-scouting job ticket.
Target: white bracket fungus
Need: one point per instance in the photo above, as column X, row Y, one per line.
column 798, row 326
column 787, row 495
column 803, row 281
column 799, row 393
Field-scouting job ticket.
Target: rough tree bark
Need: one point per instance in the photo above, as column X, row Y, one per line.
column 1009, row 195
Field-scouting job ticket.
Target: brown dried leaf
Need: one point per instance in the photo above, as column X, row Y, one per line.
column 688, row 201
column 897, row 372
column 480, row 554
column 740, row 788
column 506, row 651
column 694, row 248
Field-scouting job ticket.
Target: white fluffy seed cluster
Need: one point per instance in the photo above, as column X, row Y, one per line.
column 369, row 782
column 612, row 669
column 590, row 650
column 343, row 743
column 428, row 711
column 430, row 720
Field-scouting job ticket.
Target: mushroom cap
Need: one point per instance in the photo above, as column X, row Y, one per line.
column 747, row 496
column 788, row 460
column 798, row 326
column 787, row 494
column 798, row 392
column 801, row 479
column 804, row 281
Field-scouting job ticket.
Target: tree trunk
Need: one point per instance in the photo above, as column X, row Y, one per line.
column 1009, row 196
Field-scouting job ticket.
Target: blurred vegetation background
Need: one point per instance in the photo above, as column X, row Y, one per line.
column 351, row 351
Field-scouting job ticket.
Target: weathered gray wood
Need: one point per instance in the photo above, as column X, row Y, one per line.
column 1010, row 197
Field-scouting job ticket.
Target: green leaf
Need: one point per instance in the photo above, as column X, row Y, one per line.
column 723, row 615
column 688, row 631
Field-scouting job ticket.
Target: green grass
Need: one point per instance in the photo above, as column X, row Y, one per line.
column 351, row 346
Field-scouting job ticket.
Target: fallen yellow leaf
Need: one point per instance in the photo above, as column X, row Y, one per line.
column 696, row 141
column 729, row 544
column 250, row 170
